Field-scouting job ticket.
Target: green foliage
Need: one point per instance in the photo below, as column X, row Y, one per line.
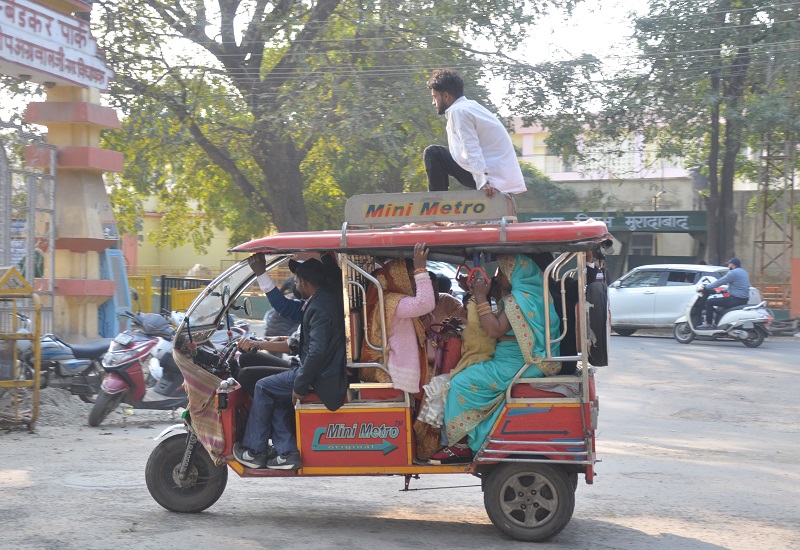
column 267, row 115
column 710, row 77
column 551, row 195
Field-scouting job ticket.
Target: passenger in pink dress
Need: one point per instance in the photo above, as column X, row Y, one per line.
column 406, row 297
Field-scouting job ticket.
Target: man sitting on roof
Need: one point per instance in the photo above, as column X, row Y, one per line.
column 480, row 153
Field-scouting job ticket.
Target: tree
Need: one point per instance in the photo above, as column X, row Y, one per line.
column 701, row 66
column 552, row 196
column 263, row 112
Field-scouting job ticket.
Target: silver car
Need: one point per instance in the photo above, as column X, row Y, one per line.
column 654, row 296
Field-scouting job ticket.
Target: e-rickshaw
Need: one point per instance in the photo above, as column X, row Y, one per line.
column 544, row 437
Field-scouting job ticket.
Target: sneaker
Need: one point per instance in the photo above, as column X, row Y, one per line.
column 248, row 458
column 286, row 461
column 452, row 455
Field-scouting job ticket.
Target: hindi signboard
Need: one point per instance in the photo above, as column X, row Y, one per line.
column 44, row 45
column 683, row 221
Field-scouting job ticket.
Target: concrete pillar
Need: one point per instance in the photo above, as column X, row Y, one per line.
column 84, row 222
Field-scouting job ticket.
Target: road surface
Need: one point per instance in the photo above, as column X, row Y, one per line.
column 699, row 446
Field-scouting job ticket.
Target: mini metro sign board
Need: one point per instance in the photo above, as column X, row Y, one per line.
column 441, row 206
column 362, row 437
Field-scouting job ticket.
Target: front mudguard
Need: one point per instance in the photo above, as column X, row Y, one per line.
column 172, row 430
column 114, row 383
column 681, row 319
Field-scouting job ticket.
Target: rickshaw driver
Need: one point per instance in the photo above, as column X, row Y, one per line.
column 322, row 365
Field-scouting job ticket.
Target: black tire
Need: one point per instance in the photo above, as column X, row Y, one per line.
column 94, row 378
column 529, row 502
column 573, row 480
column 755, row 337
column 27, row 372
column 624, row 331
column 204, row 483
column 103, row 405
column 683, row 333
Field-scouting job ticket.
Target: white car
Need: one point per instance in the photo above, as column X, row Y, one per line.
column 654, row 296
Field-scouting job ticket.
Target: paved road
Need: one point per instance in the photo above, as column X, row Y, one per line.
column 699, row 446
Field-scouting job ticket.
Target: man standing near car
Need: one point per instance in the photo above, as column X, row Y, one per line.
column 322, row 365
column 480, row 153
column 738, row 282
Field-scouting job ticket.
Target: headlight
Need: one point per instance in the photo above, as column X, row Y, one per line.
column 118, row 357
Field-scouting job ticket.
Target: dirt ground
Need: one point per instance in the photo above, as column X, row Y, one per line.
column 699, row 446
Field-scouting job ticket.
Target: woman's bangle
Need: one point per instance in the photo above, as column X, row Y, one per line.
column 420, row 271
column 484, row 308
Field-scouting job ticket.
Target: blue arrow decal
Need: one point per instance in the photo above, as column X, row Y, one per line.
column 385, row 447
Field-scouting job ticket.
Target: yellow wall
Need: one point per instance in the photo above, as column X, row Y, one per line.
column 217, row 250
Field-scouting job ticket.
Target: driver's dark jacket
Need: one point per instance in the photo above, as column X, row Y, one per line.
column 323, row 358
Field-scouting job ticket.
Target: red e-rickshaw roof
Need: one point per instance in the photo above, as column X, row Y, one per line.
column 534, row 235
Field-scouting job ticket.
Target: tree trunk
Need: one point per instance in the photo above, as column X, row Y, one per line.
column 727, row 214
column 734, row 127
column 279, row 161
column 712, row 204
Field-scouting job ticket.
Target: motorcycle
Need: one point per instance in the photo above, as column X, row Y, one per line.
column 73, row 367
column 134, row 354
column 745, row 323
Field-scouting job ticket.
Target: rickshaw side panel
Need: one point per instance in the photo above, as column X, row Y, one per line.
column 236, row 408
column 539, row 422
column 359, row 437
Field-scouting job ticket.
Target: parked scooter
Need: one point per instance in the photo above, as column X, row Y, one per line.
column 146, row 346
column 73, row 367
column 745, row 323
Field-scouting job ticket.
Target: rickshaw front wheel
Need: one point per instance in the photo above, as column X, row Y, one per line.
column 529, row 502
column 202, row 486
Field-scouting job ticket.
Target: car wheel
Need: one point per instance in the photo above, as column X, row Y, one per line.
column 624, row 331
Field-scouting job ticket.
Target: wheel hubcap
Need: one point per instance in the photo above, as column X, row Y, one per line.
column 529, row 500
column 191, row 477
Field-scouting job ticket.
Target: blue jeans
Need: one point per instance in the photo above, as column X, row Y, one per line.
column 271, row 414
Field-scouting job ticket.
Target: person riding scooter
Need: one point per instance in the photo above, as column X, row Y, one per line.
column 738, row 283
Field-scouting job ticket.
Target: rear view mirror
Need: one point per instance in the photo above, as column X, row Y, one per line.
column 246, row 306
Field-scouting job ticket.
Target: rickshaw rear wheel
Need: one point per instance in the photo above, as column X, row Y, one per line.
column 529, row 502
column 204, row 483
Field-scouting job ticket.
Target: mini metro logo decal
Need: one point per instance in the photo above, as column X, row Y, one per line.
column 431, row 208
column 358, row 437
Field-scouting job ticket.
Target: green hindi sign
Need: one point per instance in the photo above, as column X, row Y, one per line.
column 673, row 221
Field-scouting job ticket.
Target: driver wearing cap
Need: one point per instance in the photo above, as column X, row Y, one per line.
column 322, row 369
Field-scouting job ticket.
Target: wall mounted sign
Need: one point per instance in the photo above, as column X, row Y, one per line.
column 49, row 47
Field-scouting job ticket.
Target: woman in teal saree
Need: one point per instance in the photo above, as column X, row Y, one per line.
column 476, row 394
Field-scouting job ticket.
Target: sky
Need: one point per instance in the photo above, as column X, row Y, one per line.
column 598, row 27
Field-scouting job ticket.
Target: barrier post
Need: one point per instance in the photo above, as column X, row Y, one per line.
column 19, row 386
